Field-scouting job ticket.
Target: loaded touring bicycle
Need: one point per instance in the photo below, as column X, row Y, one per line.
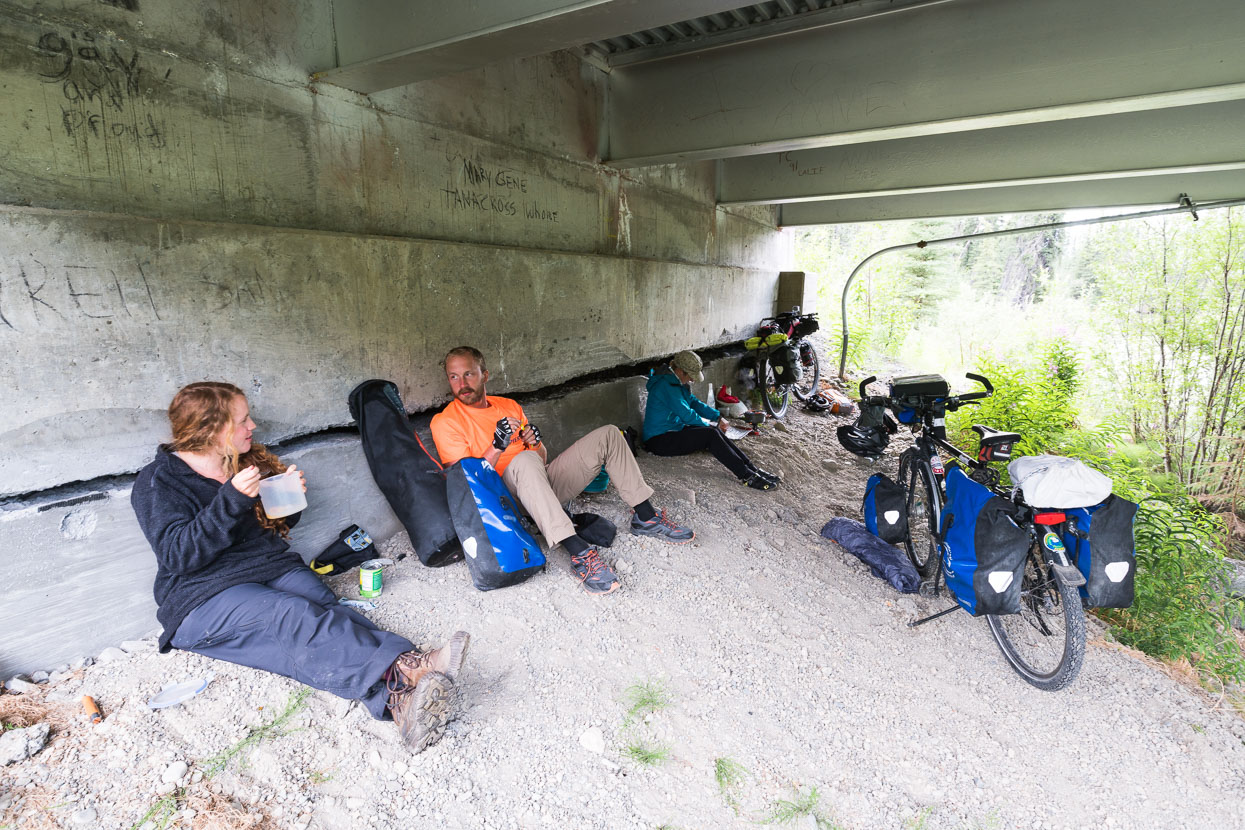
column 1029, row 558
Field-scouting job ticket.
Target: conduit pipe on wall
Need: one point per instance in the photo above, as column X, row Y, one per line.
column 1185, row 204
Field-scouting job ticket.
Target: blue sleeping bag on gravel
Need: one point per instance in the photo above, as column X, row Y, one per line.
column 884, row 561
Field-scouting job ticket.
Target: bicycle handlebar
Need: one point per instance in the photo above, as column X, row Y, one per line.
column 951, row 403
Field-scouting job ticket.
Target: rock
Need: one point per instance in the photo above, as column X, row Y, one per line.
column 59, row 676
column 112, row 654
column 175, row 771
column 623, row 566
column 592, row 740
column 166, row 787
column 137, row 646
column 84, row 818
column 830, row 465
column 20, row 685
column 81, row 663
column 781, row 427
column 40, row 677
column 20, row 744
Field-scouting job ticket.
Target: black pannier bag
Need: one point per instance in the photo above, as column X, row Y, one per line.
column 1100, row 541
column 806, row 325
column 405, row 471
column 886, row 509
column 785, row 362
column 983, row 549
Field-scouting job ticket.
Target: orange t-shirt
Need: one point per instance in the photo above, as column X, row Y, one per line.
column 462, row 431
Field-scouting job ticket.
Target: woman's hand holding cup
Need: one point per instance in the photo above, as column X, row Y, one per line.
column 246, row 481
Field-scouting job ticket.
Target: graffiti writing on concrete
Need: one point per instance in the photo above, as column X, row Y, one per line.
column 34, row 294
column 785, row 159
column 100, row 82
column 476, row 187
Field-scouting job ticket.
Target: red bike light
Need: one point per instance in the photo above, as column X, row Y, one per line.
column 1050, row 518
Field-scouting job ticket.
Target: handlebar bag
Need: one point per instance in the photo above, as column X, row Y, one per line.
column 886, row 509
column 920, row 386
column 983, row 549
column 499, row 550
column 405, row 471
column 806, row 325
column 1108, row 558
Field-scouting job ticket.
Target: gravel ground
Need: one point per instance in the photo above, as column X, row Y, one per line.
column 776, row 649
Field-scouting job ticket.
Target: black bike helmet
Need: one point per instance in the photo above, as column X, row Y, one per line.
column 818, row 403
column 865, row 441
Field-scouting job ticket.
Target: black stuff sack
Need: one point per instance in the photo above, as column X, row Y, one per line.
column 1100, row 541
column 597, row 531
column 983, row 549
column 405, row 471
column 353, row 546
column 499, row 551
column 884, row 561
column 886, row 509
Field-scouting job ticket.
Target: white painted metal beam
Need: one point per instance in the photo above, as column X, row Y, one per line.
column 934, row 70
column 383, row 44
column 1022, row 198
column 1157, row 142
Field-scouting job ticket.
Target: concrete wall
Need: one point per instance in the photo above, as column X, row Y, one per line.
column 178, row 203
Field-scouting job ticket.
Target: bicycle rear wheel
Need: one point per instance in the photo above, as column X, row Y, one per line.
column 1045, row 642
column 774, row 395
column 810, row 383
column 924, row 507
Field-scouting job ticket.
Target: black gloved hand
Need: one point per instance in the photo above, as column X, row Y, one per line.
column 535, row 436
column 503, row 434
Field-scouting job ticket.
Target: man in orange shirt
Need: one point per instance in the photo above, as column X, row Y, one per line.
column 479, row 425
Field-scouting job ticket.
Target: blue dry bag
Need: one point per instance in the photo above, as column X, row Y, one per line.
column 499, row 551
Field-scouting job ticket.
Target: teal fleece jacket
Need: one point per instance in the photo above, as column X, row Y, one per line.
column 672, row 406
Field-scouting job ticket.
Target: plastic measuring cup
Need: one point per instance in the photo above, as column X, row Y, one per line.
column 282, row 494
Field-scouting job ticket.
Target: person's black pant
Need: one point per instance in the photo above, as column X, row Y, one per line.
column 691, row 439
column 293, row 626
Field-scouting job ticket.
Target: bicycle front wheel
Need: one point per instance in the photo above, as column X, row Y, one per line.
column 774, row 395
column 809, row 384
column 924, row 507
column 1045, row 642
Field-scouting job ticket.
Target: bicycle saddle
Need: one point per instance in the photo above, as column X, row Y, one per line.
column 991, row 437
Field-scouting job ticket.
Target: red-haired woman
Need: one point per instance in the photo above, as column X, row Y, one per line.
column 229, row 587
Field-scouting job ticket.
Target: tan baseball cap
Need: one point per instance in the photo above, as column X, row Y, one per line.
column 690, row 363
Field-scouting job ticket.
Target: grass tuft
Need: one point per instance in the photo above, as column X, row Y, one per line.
column 804, row 804
column 646, row 754
column 273, row 729
column 729, row 774
column 644, row 697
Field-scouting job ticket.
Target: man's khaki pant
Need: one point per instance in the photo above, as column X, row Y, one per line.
column 542, row 490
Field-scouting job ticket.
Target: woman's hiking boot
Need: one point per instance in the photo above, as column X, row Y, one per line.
column 421, row 709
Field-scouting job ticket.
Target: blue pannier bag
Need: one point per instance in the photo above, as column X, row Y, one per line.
column 1100, row 541
column 886, row 509
column 983, row 549
column 499, row 551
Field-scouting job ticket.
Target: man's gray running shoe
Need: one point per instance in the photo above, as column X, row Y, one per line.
column 662, row 528
column 593, row 573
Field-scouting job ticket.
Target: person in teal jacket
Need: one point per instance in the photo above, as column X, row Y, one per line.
column 677, row 423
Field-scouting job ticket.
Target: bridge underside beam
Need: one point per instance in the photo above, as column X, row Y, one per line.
column 969, row 65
